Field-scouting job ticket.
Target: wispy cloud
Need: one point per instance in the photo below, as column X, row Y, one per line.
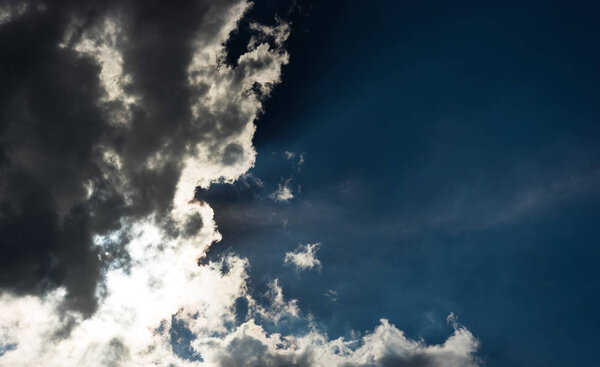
column 296, row 158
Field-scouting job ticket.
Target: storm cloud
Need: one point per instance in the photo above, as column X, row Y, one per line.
column 104, row 105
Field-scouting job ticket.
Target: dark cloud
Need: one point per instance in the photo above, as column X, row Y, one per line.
column 250, row 352
column 68, row 171
column 49, row 125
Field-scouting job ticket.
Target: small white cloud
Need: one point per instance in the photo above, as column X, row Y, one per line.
column 304, row 257
column 283, row 192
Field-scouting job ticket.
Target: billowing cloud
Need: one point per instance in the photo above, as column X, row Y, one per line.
column 304, row 257
column 111, row 116
column 114, row 113
column 249, row 345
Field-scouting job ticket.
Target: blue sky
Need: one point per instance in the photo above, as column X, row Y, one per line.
column 299, row 183
column 450, row 165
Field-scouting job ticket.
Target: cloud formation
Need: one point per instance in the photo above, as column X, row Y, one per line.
column 304, row 257
column 111, row 116
column 113, row 113
column 385, row 346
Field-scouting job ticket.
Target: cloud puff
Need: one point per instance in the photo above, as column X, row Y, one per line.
column 283, row 192
column 304, row 257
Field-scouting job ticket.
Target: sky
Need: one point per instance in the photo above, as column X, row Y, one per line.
column 299, row 183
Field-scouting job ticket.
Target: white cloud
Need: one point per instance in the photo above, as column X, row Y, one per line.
column 101, row 42
column 278, row 33
column 283, row 192
column 228, row 89
column 250, row 345
column 304, row 257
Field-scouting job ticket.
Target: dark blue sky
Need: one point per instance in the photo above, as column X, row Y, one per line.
column 440, row 158
column 451, row 165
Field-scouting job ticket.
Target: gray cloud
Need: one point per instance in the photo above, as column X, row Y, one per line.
column 251, row 352
column 100, row 106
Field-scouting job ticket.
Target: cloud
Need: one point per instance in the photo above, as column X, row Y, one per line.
column 278, row 308
column 13, row 10
column 304, row 257
column 165, row 291
column 291, row 156
column 283, row 192
column 250, row 345
column 113, row 114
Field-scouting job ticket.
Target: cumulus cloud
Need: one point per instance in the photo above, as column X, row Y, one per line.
column 250, row 345
column 304, row 257
column 113, row 114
